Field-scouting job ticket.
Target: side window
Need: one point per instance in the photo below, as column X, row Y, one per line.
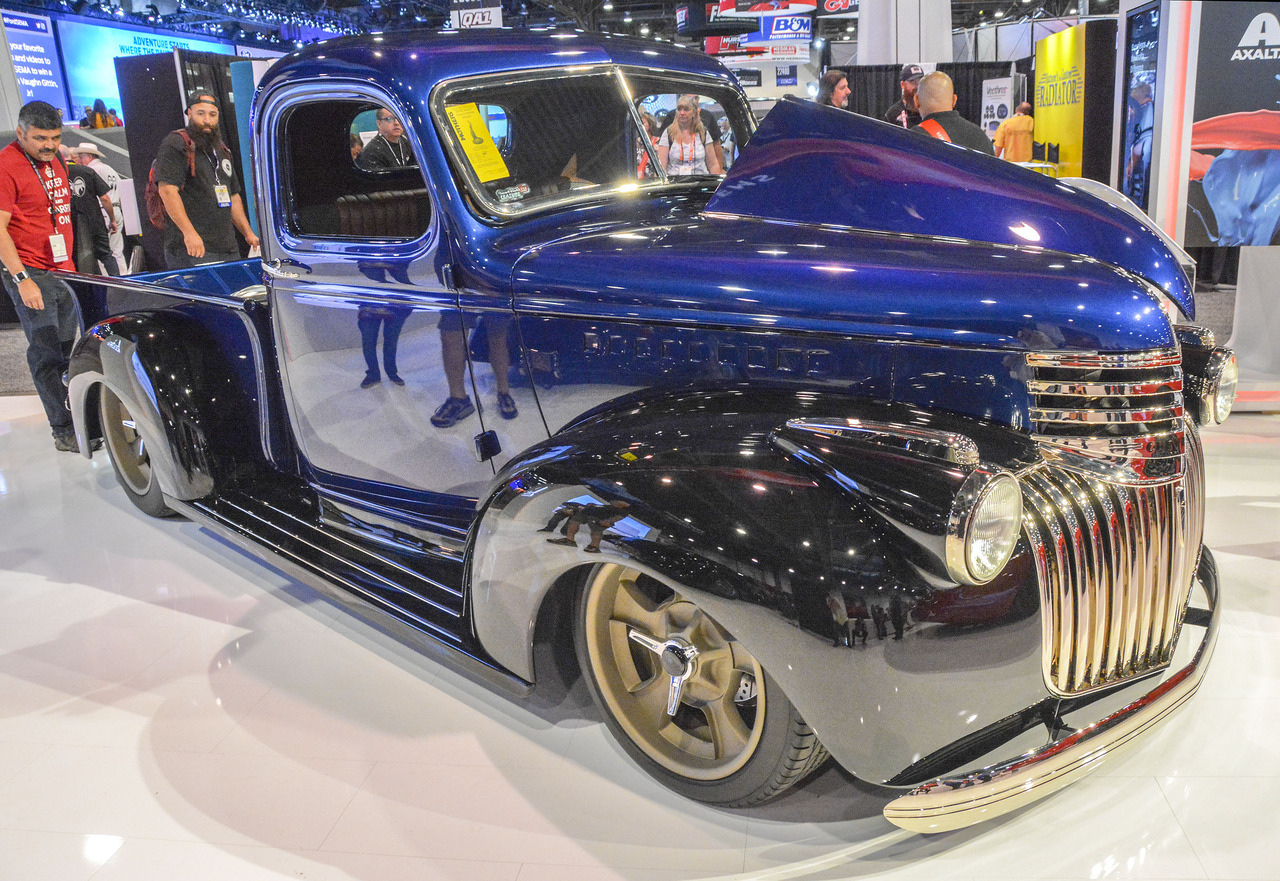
column 351, row 173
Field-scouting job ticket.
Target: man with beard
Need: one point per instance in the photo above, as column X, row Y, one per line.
column 197, row 182
column 905, row 113
column 35, row 238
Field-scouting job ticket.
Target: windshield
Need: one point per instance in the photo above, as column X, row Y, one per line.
column 526, row 142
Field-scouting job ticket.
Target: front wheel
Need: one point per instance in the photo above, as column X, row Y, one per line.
column 128, row 454
column 687, row 701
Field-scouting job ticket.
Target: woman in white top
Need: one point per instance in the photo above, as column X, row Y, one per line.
column 686, row 147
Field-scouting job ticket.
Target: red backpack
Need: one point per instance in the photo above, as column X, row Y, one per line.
column 155, row 205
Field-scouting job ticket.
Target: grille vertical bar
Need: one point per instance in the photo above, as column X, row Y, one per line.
column 1115, row 564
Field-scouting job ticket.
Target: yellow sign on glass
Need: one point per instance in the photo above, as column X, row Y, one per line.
column 473, row 133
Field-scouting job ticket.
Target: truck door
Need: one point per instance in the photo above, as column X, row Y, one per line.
column 366, row 324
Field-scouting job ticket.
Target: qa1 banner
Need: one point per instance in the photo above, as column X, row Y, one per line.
column 1234, row 194
column 475, row 14
column 35, row 59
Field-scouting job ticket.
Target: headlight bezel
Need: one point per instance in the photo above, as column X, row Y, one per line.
column 969, row 520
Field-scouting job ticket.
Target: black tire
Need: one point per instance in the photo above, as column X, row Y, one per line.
column 128, row 454
column 723, row 745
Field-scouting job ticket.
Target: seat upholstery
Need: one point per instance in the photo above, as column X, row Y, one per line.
column 402, row 214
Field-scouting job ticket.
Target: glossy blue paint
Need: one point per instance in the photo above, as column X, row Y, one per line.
column 880, row 177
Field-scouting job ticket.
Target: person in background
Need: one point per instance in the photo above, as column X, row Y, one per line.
column 686, row 147
column 90, row 202
column 1014, row 136
column 389, row 147
column 89, row 155
column 36, row 237
column 114, row 118
column 937, row 99
column 204, row 209
column 96, row 116
column 905, row 113
column 728, row 143
column 357, row 146
column 833, row 89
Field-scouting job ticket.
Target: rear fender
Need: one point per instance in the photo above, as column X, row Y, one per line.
column 185, row 398
column 713, row 506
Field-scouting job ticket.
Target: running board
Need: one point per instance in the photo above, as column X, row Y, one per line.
column 415, row 601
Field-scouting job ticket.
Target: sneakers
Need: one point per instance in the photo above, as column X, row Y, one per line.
column 507, row 406
column 452, row 411
column 65, row 441
column 370, row 379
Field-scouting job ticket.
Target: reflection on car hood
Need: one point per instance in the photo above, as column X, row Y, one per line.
column 813, row 164
column 774, row 276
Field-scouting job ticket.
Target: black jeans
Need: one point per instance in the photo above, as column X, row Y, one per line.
column 51, row 332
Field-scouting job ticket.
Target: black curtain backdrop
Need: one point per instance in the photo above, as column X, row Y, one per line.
column 875, row 87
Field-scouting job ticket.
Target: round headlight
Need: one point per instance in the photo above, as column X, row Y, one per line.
column 986, row 519
column 1225, row 388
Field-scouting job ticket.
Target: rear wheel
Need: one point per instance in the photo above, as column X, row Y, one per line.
column 690, row 704
column 129, row 457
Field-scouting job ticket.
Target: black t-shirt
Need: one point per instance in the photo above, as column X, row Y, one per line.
column 894, row 115
column 214, row 167
column 379, row 154
column 961, row 131
column 87, row 190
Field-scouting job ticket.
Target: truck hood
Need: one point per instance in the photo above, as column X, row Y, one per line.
column 786, row 277
column 818, row 165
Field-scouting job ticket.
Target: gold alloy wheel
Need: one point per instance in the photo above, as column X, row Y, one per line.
column 127, row 449
column 682, row 689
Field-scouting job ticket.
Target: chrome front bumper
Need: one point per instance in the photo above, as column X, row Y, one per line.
column 953, row 803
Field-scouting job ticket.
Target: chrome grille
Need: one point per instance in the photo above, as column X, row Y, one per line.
column 1118, row 417
column 1115, row 564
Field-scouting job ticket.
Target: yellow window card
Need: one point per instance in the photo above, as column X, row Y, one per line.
column 477, row 143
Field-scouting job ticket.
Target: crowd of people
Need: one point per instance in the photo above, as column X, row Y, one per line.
column 927, row 103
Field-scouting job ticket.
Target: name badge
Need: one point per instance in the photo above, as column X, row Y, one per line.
column 223, row 195
column 58, row 244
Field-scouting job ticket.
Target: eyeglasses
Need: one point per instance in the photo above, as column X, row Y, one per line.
column 387, row 119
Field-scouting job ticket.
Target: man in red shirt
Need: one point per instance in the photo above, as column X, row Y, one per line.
column 35, row 237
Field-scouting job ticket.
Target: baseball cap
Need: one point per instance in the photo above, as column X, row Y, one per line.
column 910, row 72
column 201, row 98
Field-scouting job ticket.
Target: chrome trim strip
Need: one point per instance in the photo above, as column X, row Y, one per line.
column 1098, row 389
column 1094, row 417
column 961, row 801
column 930, row 443
column 1132, row 360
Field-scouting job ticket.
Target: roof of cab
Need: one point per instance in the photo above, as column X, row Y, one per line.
column 421, row 59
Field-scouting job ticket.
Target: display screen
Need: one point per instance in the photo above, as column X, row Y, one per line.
column 35, row 59
column 1141, row 53
column 91, row 50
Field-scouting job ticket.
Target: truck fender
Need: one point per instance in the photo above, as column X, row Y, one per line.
column 157, row 364
column 763, row 550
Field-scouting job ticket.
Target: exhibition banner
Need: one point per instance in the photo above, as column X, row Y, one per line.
column 96, row 47
column 1059, row 104
column 997, row 103
column 35, row 59
column 464, row 14
column 836, row 9
column 764, row 8
column 1234, row 194
column 1142, row 55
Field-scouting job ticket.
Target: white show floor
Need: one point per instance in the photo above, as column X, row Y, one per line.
column 169, row 709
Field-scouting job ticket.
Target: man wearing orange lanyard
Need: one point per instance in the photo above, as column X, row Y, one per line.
column 35, row 238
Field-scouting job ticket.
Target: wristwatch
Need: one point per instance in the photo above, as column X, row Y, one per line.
column 20, row 277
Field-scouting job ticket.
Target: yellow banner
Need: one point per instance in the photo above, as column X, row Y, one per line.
column 1059, row 96
column 473, row 133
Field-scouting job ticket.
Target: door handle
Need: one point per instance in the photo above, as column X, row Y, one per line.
column 278, row 268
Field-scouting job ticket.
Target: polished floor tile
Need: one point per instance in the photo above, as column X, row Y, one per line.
column 170, row 708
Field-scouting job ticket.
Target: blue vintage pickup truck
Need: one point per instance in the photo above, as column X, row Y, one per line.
column 874, row 449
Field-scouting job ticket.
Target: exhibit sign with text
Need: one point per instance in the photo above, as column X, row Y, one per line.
column 997, row 103
column 1060, row 96
column 464, row 14
column 1233, row 197
column 35, row 59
